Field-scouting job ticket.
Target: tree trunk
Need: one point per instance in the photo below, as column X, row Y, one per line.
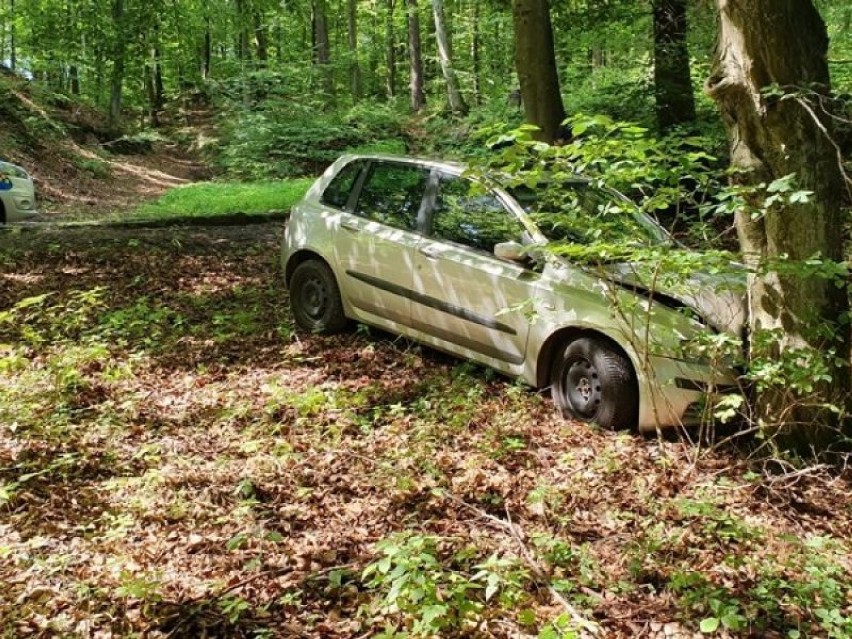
column 390, row 49
column 322, row 48
column 208, row 50
column 475, row 55
column 13, row 54
column 672, row 81
column 74, row 79
column 352, row 40
column 418, row 97
column 261, row 42
column 243, row 50
column 117, row 77
column 535, row 62
column 763, row 42
column 445, row 54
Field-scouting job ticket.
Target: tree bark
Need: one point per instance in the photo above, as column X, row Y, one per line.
column 208, row 50
column 390, row 48
column 476, row 56
column 415, row 56
column 445, row 54
column 352, row 40
column 535, row 62
column 672, row 81
column 261, row 41
column 13, row 53
column 243, row 50
column 322, row 52
column 118, row 54
column 784, row 42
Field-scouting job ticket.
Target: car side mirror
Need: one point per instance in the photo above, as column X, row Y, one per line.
column 513, row 251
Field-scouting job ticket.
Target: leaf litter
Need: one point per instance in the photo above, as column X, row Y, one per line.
column 177, row 461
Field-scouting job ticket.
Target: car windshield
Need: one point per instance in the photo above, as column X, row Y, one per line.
column 580, row 212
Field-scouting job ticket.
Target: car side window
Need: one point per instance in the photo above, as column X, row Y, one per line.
column 465, row 213
column 392, row 194
column 337, row 192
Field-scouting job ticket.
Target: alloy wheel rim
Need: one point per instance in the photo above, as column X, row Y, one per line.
column 582, row 386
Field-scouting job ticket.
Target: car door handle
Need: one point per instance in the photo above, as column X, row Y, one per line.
column 350, row 226
column 431, row 252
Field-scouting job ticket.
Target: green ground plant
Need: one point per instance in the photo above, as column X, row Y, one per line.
column 205, row 199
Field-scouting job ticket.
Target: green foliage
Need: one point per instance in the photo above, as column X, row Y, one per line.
column 277, row 134
column 421, row 587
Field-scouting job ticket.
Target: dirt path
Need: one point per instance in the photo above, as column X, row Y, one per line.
column 107, row 183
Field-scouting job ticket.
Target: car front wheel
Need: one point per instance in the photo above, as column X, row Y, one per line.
column 592, row 381
column 315, row 299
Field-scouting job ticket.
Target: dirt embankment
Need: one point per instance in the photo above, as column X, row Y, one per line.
column 82, row 166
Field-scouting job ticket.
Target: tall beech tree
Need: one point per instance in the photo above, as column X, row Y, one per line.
column 783, row 43
column 415, row 57
column 535, row 61
column 672, row 82
column 445, row 55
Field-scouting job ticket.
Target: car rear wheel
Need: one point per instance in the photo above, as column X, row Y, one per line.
column 594, row 382
column 315, row 299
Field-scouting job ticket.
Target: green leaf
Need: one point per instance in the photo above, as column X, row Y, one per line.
column 526, row 617
column 709, row 625
column 433, row 613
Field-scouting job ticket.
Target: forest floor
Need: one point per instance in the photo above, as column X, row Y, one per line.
column 176, row 461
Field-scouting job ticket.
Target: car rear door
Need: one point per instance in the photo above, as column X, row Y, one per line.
column 465, row 294
column 377, row 240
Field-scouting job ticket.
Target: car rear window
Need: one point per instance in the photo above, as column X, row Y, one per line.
column 337, row 192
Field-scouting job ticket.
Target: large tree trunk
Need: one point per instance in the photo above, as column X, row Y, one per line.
column 672, row 82
column 784, row 42
column 535, row 62
column 415, row 56
column 445, row 54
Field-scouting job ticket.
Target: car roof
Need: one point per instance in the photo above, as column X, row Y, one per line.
column 455, row 167
column 449, row 165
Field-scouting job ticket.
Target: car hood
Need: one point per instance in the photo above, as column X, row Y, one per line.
column 718, row 298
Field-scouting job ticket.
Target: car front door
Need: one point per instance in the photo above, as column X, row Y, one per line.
column 467, row 295
column 377, row 238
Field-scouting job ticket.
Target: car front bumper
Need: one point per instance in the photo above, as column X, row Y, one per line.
column 680, row 392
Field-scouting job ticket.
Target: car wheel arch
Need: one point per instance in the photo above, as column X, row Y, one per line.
column 300, row 257
column 561, row 338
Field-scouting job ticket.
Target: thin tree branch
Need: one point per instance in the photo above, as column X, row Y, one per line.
column 846, row 179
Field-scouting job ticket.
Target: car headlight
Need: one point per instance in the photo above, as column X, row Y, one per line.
column 14, row 170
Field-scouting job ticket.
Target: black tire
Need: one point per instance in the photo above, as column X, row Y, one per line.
column 592, row 381
column 315, row 299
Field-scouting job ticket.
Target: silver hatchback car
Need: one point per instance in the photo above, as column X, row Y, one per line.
column 421, row 249
column 17, row 194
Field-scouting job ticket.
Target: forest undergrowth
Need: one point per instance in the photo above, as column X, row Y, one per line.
column 176, row 461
